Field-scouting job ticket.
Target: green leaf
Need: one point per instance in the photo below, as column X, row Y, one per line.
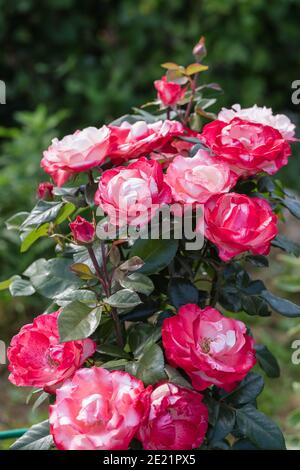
column 20, row 287
column 33, row 236
column 78, row 321
column 65, row 212
column 181, row 292
column 176, row 378
column 82, row 270
column 16, row 220
column 141, row 336
column 195, row 68
column 224, row 423
column 5, row 284
column 124, row 298
column 132, row 264
column 113, row 351
column 53, row 277
column 247, row 390
column 36, row 438
column 156, row 254
column 138, row 282
column 115, row 365
column 267, row 361
column 43, row 212
column 293, row 419
column 151, row 365
column 259, row 429
column 286, row 245
column 170, row 66
column 292, row 205
column 280, row 305
column 89, row 193
column 70, row 295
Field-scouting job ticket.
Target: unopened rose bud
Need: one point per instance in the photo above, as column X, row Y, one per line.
column 45, row 190
column 199, row 50
column 82, row 230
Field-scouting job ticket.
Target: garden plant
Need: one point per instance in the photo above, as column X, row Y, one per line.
column 156, row 219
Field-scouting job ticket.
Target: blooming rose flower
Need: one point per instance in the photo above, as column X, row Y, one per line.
column 132, row 194
column 262, row 115
column 168, row 92
column 236, row 223
column 248, row 147
column 38, row 359
column 196, row 179
column 82, row 230
column 45, row 190
column 176, row 419
column 211, row 348
column 76, row 153
column 139, row 139
column 96, row 410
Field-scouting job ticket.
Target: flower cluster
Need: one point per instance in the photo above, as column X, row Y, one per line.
column 132, row 170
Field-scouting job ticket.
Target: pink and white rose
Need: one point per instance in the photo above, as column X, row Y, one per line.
column 236, row 223
column 175, row 418
column 248, row 147
column 97, row 410
column 210, row 348
column 131, row 195
column 195, row 180
column 261, row 115
column 38, row 359
column 76, row 153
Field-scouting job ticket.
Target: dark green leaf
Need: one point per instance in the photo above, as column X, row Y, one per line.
column 151, row 365
column 156, row 254
column 247, row 390
column 181, row 292
column 224, row 424
column 259, row 429
column 267, row 361
column 280, row 305
column 292, row 205
column 286, row 245
column 16, row 220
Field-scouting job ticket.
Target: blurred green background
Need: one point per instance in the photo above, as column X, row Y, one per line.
column 68, row 64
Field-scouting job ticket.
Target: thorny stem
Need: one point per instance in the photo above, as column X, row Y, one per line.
column 190, row 104
column 105, row 282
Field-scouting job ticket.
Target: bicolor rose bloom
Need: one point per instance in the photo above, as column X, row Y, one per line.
column 140, row 139
column 131, row 195
column 168, row 92
column 261, row 115
column 82, row 230
column 210, row 348
column 176, row 419
column 236, row 223
column 38, row 359
column 248, row 147
column 76, row 153
column 97, row 410
column 45, row 190
column 195, row 180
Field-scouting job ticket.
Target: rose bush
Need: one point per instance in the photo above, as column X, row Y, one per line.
column 145, row 322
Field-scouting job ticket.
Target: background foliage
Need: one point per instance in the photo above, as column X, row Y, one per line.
column 68, row 64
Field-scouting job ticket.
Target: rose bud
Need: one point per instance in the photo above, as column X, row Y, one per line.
column 82, row 230
column 45, row 190
column 168, row 92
